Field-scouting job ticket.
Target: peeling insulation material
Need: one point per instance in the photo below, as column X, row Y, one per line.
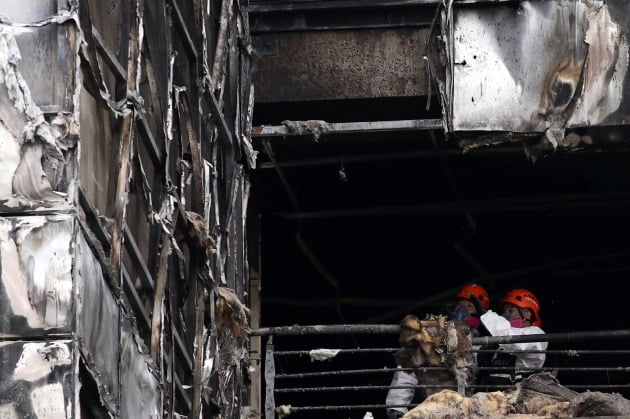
column 605, row 71
column 35, row 380
column 34, row 147
column 35, row 275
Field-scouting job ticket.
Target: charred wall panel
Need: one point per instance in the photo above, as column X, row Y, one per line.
column 96, row 151
column 37, row 380
column 38, row 155
column 537, row 66
column 36, row 275
column 45, row 47
column 341, row 64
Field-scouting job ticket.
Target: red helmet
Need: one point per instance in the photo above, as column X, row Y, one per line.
column 523, row 298
column 476, row 290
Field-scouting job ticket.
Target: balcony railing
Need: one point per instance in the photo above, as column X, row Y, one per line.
column 296, row 383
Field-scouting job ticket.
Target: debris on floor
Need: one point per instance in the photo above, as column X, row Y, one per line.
column 539, row 395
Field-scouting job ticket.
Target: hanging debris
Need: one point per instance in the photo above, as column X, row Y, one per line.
column 437, row 342
column 231, row 314
column 312, row 128
column 199, row 230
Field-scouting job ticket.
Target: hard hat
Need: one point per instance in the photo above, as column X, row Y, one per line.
column 523, row 298
column 476, row 290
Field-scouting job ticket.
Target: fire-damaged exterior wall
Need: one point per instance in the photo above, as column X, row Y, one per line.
column 124, row 148
column 534, row 67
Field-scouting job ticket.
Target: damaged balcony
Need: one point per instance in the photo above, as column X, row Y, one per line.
column 407, row 148
column 338, row 381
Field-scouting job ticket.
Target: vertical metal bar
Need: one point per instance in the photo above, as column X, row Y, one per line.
column 270, row 376
column 226, row 15
column 199, row 349
column 126, row 138
column 255, row 344
column 158, row 297
column 188, row 137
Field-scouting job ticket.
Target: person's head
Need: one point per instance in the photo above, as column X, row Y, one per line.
column 467, row 302
column 521, row 308
column 466, row 295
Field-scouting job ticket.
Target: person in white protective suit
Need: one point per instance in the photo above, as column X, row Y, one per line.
column 470, row 302
column 520, row 316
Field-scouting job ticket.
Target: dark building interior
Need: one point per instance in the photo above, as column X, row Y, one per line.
column 417, row 226
column 384, row 236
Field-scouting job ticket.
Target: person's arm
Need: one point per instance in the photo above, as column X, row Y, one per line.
column 531, row 360
column 495, row 324
column 500, row 326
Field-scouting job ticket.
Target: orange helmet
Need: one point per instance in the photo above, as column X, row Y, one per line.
column 523, row 298
column 476, row 290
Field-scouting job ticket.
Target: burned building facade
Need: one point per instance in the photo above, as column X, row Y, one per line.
column 124, row 154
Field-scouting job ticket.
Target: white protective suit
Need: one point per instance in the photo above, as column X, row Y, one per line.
column 401, row 396
column 499, row 326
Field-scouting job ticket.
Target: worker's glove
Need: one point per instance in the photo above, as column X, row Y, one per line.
column 479, row 308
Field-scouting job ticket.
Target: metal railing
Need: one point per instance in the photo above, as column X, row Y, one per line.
column 287, row 389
